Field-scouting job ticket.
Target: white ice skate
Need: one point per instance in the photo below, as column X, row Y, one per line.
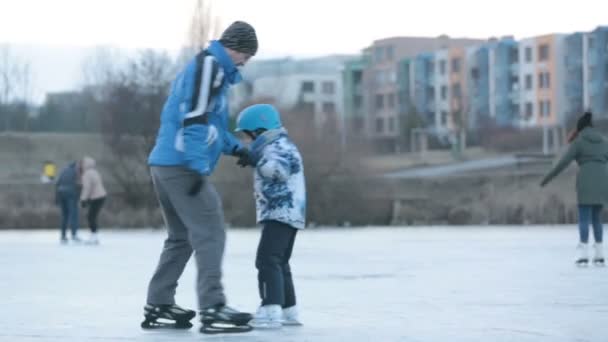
column 93, row 239
column 583, row 259
column 267, row 317
column 291, row 317
column 598, row 258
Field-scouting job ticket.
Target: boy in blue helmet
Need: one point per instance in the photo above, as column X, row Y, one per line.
column 280, row 195
column 192, row 136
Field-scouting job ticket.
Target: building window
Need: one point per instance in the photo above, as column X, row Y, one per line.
column 328, row 87
column 528, row 82
column 455, row 65
column 390, row 53
column 329, row 108
column 444, row 118
column 380, row 77
column 391, row 124
column 307, row 107
column 379, row 101
column 379, row 125
column 431, row 68
column 456, row 90
column 544, row 108
column 528, row 52
column 442, row 67
column 513, row 55
column 514, row 83
column 529, row 110
column 591, row 43
column 379, row 54
column 392, row 76
column 308, row 87
column 475, row 73
column 543, row 53
column 391, row 100
column 544, row 80
column 430, row 93
column 444, row 92
column 358, row 101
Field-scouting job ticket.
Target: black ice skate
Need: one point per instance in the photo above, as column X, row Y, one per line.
column 582, row 262
column 223, row 319
column 167, row 316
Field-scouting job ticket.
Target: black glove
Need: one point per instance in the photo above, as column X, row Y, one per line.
column 244, row 157
column 196, row 187
column 84, row 203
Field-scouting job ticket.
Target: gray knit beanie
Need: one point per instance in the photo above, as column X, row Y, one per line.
column 240, row 37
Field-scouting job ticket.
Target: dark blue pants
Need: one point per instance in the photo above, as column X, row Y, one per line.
column 590, row 214
column 69, row 213
column 272, row 261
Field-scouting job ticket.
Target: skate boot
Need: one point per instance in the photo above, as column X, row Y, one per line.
column 171, row 316
column 291, row 316
column 76, row 239
column 583, row 259
column 224, row 319
column 268, row 317
column 93, row 239
column 63, row 240
column 598, row 258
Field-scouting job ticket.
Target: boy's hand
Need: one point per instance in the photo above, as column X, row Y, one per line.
column 244, row 157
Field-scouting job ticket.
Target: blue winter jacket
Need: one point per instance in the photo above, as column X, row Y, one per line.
column 194, row 128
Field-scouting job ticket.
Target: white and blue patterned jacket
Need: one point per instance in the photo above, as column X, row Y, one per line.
column 279, row 186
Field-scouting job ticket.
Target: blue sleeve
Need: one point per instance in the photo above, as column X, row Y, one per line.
column 196, row 150
column 231, row 143
column 196, row 129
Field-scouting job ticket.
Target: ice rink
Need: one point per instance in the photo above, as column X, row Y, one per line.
column 360, row 284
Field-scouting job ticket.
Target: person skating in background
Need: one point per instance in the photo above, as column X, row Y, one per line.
column 590, row 150
column 93, row 195
column 67, row 189
column 192, row 136
column 280, row 196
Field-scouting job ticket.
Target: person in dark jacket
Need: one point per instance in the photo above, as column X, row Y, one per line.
column 590, row 150
column 67, row 191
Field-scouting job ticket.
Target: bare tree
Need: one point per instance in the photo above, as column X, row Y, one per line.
column 128, row 100
column 15, row 76
column 205, row 25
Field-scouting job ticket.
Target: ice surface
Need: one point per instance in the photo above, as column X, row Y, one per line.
column 380, row 284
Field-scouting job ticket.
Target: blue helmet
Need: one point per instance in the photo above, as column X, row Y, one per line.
column 258, row 116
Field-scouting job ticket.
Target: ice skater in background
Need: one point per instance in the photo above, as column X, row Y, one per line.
column 67, row 189
column 93, row 195
column 280, row 196
column 590, row 150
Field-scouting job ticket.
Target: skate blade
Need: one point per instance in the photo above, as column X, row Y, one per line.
column 225, row 329
column 266, row 325
column 292, row 324
column 151, row 325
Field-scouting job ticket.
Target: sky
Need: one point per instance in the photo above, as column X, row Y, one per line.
column 290, row 27
column 284, row 27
